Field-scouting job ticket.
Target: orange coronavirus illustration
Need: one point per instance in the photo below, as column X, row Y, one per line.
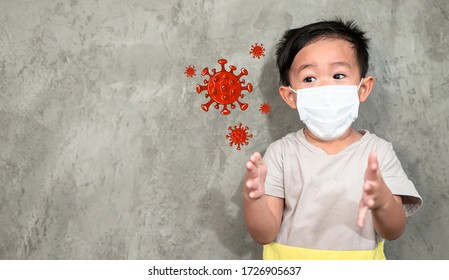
column 257, row 50
column 190, row 71
column 238, row 136
column 265, row 108
column 224, row 88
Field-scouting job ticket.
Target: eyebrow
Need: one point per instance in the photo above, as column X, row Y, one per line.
column 337, row 63
column 341, row 63
column 304, row 66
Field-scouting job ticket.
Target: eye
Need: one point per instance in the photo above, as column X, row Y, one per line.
column 339, row 76
column 309, row 79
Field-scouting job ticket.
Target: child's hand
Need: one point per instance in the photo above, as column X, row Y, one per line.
column 256, row 172
column 373, row 196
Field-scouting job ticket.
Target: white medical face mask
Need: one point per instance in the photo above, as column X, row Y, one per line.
column 328, row 111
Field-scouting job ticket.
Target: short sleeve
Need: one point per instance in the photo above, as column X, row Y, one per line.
column 274, row 183
column 398, row 182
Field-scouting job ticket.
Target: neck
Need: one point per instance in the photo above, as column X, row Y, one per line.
column 335, row 146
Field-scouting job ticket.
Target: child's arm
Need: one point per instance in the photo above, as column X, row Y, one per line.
column 263, row 213
column 386, row 208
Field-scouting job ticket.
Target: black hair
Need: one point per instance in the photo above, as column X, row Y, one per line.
column 296, row 39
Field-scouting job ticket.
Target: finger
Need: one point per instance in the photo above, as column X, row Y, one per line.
column 368, row 188
column 255, row 158
column 255, row 194
column 252, row 188
column 258, row 162
column 251, row 170
column 368, row 202
column 372, row 168
column 368, row 195
column 363, row 211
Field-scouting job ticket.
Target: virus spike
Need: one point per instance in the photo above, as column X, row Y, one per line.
column 243, row 106
column 243, row 72
column 200, row 88
column 206, row 106
column 222, row 62
column 248, row 87
column 224, row 88
column 206, row 72
column 225, row 110
column 233, row 68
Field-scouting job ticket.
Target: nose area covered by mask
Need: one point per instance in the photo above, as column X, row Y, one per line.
column 328, row 111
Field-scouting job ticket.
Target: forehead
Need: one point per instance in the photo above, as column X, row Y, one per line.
column 326, row 51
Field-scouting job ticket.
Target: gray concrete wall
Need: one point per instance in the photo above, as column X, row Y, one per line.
column 106, row 153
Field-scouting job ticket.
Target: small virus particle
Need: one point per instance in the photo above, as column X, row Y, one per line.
column 190, row 71
column 238, row 136
column 257, row 50
column 265, row 108
column 224, row 88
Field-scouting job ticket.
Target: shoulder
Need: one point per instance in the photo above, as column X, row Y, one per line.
column 278, row 150
column 385, row 152
column 374, row 138
column 377, row 143
column 286, row 141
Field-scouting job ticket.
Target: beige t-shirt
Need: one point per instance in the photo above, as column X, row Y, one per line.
column 322, row 192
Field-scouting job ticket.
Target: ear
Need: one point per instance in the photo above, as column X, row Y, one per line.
column 288, row 95
column 365, row 88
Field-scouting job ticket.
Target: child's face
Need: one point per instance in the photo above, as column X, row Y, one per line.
column 325, row 62
column 322, row 63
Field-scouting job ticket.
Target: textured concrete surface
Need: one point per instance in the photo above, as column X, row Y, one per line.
column 106, row 153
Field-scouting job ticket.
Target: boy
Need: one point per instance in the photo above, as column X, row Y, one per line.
column 326, row 191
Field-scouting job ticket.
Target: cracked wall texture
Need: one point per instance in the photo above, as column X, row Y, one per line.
column 106, row 153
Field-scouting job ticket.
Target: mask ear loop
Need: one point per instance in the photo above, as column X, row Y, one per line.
column 292, row 89
column 361, row 80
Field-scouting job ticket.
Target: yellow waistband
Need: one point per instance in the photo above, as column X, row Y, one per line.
column 276, row 251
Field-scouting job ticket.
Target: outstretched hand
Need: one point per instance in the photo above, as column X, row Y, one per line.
column 256, row 172
column 372, row 197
